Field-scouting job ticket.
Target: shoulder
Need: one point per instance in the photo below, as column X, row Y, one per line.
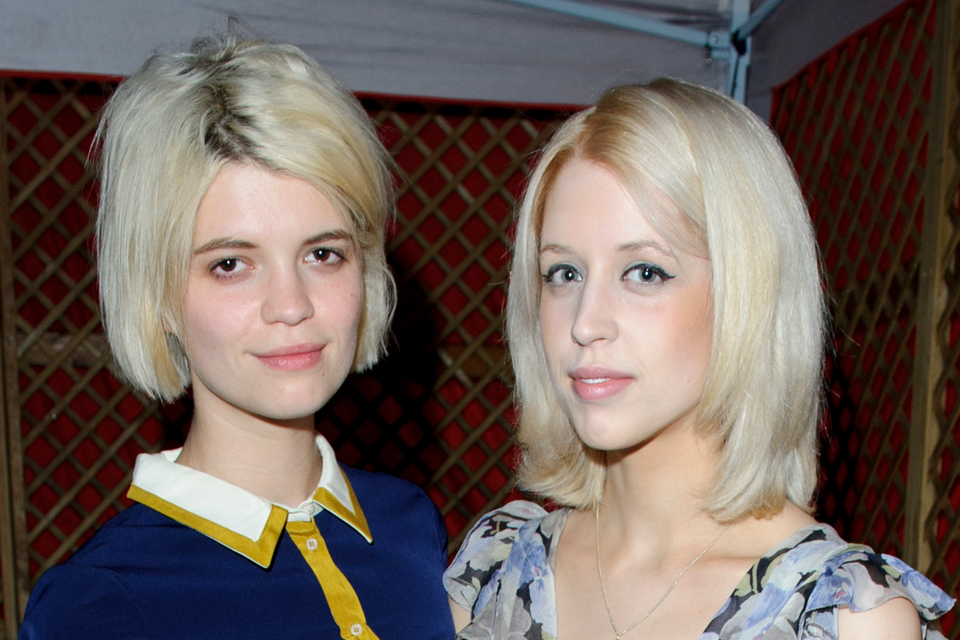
column 89, row 595
column 376, row 491
column 375, row 486
column 491, row 538
column 78, row 600
column 857, row 577
column 132, row 533
column 487, row 549
column 841, row 581
column 395, row 506
column 813, row 581
column 895, row 619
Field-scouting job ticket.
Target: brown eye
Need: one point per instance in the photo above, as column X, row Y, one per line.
column 227, row 265
column 323, row 255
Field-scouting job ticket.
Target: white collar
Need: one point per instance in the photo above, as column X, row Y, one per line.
column 238, row 519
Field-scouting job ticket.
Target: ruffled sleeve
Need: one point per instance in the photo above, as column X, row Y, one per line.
column 471, row 578
column 861, row 579
column 503, row 574
column 796, row 590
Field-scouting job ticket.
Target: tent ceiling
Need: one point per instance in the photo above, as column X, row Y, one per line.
column 454, row 49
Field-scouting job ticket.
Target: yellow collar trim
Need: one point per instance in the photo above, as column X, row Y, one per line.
column 259, row 551
column 353, row 517
column 236, row 518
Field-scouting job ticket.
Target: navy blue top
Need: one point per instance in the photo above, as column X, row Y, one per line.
column 144, row 575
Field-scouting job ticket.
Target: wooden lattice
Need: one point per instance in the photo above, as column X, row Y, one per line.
column 863, row 109
column 865, row 126
column 436, row 411
column 942, row 519
column 442, row 414
column 79, row 430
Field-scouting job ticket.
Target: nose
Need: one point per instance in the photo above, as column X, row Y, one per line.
column 286, row 298
column 595, row 315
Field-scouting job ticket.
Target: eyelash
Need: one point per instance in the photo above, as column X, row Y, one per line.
column 548, row 277
column 647, row 270
column 218, row 270
column 338, row 256
column 226, row 268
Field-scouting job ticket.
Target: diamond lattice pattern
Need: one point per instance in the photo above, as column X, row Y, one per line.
column 857, row 126
column 436, row 411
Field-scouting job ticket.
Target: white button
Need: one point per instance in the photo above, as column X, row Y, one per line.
column 356, row 629
column 312, row 545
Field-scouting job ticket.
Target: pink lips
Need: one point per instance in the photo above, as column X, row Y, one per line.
column 293, row 358
column 598, row 383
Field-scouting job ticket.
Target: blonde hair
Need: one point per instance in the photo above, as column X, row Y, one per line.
column 723, row 169
column 163, row 137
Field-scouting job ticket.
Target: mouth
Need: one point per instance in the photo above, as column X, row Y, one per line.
column 292, row 358
column 594, row 384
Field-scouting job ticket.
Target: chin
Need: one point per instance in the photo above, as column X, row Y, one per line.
column 603, row 440
column 291, row 409
column 609, row 437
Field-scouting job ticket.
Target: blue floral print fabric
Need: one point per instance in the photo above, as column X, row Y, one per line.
column 503, row 575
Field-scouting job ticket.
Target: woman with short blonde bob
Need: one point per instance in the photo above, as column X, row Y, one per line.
column 666, row 325
column 244, row 195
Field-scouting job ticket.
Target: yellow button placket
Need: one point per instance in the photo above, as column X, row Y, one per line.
column 341, row 598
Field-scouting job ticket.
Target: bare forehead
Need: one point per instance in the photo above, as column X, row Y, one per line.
column 588, row 204
column 588, row 199
column 244, row 199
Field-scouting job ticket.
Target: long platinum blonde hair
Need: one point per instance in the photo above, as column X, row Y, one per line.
column 741, row 207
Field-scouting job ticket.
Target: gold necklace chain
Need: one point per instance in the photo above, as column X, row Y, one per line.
column 619, row 634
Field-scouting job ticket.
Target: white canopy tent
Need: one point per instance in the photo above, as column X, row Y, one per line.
column 490, row 50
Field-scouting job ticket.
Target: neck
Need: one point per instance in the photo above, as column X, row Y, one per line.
column 278, row 461
column 653, row 494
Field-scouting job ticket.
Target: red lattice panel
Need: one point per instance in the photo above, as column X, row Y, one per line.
column 80, row 428
column 435, row 411
column 855, row 124
column 459, row 170
column 944, row 519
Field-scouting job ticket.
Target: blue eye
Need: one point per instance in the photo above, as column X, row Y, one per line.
column 562, row 274
column 646, row 273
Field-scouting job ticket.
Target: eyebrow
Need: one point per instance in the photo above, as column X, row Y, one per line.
column 621, row 248
column 218, row 244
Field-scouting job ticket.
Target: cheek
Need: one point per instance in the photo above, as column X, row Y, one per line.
column 344, row 304
column 354, row 312
column 216, row 321
column 196, row 318
column 695, row 337
column 211, row 314
column 551, row 326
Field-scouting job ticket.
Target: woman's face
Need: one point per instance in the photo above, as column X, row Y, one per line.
column 626, row 317
column 273, row 298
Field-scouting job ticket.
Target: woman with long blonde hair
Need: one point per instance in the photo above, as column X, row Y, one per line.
column 666, row 325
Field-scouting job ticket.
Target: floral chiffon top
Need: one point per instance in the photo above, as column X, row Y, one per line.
column 503, row 575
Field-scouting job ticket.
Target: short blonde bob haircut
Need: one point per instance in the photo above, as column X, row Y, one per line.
column 164, row 136
column 712, row 176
